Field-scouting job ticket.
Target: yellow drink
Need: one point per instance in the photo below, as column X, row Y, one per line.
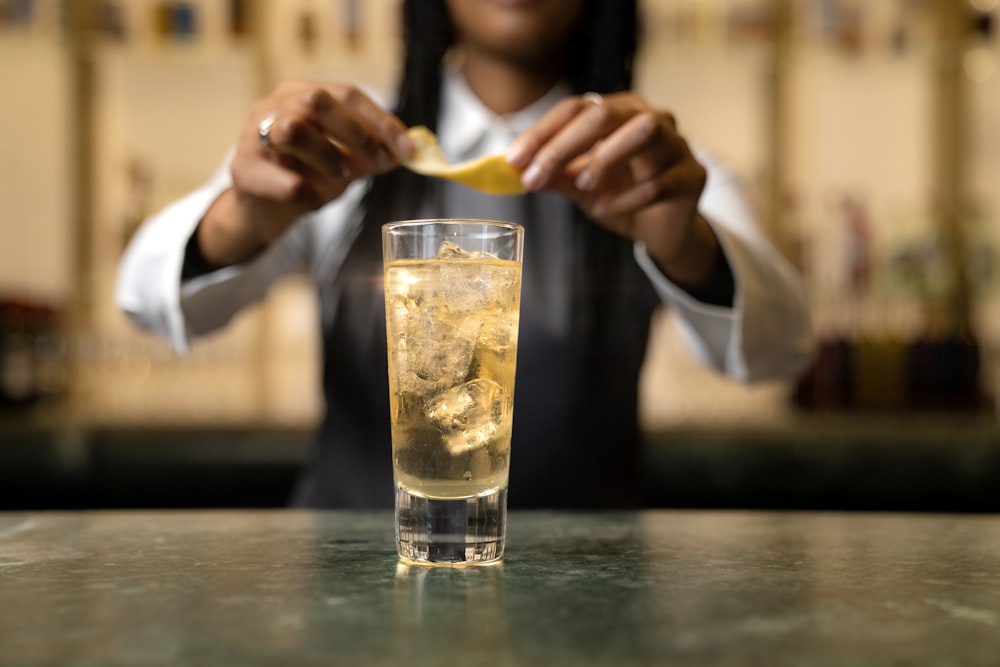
column 452, row 329
column 452, row 303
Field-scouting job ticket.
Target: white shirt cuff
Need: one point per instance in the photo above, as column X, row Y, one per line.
column 710, row 331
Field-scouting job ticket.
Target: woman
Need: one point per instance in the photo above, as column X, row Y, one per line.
column 622, row 216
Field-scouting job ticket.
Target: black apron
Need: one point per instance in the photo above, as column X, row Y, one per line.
column 576, row 439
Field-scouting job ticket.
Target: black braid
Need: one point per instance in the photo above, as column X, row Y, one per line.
column 428, row 33
column 602, row 52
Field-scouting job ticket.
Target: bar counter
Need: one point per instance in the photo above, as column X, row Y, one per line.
column 657, row 587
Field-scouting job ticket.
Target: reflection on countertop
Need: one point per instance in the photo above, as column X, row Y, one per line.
column 619, row 588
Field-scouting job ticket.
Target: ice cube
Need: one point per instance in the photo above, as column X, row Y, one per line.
column 470, row 286
column 470, row 415
column 434, row 352
column 499, row 330
column 451, row 250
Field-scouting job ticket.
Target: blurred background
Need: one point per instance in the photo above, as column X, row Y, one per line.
column 866, row 132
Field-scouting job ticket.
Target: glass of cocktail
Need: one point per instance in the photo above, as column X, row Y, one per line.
column 452, row 304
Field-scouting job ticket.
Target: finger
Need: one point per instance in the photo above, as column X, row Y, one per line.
column 317, row 187
column 292, row 136
column 384, row 125
column 683, row 181
column 643, row 134
column 337, row 125
column 522, row 151
column 578, row 137
column 531, row 152
column 279, row 179
column 626, row 202
column 313, row 126
column 564, row 183
column 351, row 118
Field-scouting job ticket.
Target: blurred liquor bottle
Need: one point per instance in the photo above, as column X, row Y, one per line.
column 31, row 356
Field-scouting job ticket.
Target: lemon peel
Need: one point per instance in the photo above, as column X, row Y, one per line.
column 491, row 174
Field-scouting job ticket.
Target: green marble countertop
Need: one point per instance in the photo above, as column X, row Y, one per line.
column 284, row 587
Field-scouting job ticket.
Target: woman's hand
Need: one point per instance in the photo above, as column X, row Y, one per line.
column 623, row 163
column 302, row 145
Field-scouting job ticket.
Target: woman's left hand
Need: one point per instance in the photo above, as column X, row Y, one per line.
column 623, row 163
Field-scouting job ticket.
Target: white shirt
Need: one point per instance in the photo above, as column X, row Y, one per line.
column 765, row 335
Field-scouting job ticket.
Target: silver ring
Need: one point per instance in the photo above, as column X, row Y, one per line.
column 595, row 98
column 264, row 130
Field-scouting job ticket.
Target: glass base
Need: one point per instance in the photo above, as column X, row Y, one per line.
column 466, row 531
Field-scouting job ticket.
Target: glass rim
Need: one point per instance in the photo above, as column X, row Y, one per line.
column 424, row 222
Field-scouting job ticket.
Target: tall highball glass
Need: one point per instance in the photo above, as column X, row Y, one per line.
column 452, row 304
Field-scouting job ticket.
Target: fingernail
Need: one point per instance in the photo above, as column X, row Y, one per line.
column 517, row 156
column 584, row 181
column 404, row 147
column 532, row 177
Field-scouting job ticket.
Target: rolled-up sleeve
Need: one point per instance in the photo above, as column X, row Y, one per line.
column 149, row 288
column 148, row 282
column 766, row 334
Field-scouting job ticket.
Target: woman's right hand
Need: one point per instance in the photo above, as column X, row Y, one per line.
column 321, row 138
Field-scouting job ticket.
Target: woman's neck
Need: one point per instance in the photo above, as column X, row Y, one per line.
column 504, row 87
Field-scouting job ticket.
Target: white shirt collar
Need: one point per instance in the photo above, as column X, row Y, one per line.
column 467, row 129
